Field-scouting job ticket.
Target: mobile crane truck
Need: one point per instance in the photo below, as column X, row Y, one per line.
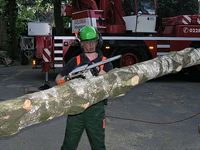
column 128, row 28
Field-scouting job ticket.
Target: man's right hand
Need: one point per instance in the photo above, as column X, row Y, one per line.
column 60, row 80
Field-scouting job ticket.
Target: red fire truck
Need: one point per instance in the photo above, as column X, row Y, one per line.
column 128, row 27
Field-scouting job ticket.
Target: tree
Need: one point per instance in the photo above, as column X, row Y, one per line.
column 3, row 33
column 11, row 17
column 59, row 26
column 185, row 7
column 169, row 8
column 16, row 14
column 77, row 95
column 2, row 6
column 33, row 10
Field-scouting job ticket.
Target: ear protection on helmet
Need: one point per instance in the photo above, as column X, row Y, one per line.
column 100, row 41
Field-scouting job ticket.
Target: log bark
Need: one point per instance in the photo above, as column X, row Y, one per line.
column 77, row 95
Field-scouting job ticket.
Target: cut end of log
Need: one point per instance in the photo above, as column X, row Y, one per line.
column 6, row 117
column 85, row 106
column 27, row 105
column 135, row 80
column 120, row 95
column 179, row 68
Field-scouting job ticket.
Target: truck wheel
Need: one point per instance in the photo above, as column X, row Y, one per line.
column 195, row 44
column 128, row 59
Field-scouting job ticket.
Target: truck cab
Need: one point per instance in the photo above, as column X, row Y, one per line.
column 140, row 15
column 117, row 16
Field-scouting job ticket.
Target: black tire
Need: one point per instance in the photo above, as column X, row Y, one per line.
column 195, row 45
column 130, row 57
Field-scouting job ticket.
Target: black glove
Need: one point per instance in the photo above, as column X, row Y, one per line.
column 95, row 71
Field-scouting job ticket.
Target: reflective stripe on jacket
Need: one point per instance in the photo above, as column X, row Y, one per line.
column 78, row 61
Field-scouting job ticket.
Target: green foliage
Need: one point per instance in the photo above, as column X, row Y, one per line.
column 2, row 6
column 168, row 8
column 24, row 15
column 39, row 10
column 10, row 16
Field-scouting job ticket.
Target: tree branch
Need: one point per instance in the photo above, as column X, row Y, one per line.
column 77, row 95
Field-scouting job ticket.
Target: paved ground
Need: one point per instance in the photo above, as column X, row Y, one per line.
column 153, row 116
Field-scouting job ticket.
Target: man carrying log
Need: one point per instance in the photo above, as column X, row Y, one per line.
column 92, row 120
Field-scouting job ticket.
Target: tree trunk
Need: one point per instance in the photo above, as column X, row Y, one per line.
column 59, row 26
column 76, row 95
column 11, row 17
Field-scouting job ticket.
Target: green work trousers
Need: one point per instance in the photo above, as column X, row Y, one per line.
column 92, row 120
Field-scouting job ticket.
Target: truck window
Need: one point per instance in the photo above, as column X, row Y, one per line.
column 128, row 7
column 146, row 7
